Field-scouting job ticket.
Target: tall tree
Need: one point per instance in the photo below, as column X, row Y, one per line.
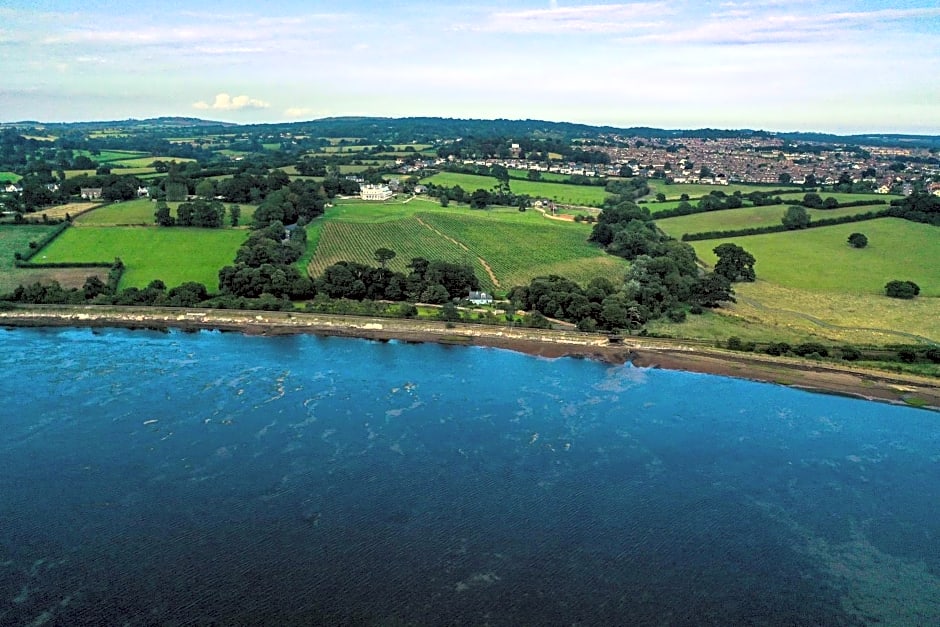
column 734, row 263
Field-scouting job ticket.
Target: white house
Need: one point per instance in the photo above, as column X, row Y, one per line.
column 374, row 192
column 91, row 193
column 480, row 298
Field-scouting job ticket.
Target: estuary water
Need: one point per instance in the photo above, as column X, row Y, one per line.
column 207, row 478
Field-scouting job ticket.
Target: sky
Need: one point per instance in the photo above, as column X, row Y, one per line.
column 850, row 66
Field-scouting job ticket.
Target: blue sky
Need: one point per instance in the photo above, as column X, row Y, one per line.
column 848, row 66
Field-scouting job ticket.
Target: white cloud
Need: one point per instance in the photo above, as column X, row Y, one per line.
column 592, row 18
column 298, row 112
column 224, row 102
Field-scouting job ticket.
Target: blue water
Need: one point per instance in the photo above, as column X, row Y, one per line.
column 207, row 478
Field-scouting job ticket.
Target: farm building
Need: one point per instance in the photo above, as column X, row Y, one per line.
column 480, row 298
column 91, row 193
column 375, row 192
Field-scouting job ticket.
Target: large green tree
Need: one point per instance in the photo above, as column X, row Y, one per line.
column 734, row 263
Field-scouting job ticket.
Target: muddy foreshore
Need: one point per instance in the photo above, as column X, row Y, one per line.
column 643, row 352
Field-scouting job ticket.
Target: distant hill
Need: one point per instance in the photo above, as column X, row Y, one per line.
column 429, row 129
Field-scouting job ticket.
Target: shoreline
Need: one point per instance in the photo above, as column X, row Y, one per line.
column 822, row 377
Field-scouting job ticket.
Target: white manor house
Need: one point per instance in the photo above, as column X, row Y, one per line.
column 375, row 192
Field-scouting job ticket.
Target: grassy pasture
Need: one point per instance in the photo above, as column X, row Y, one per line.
column 140, row 212
column 105, row 156
column 569, row 194
column 469, row 182
column 12, row 177
column 772, row 313
column 174, row 255
column 70, row 174
column 551, row 177
column 696, row 190
column 145, row 161
column 820, row 260
column 559, row 192
column 746, row 217
column 15, row 239
column 798, row 196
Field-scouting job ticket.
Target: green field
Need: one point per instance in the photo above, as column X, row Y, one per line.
column 105, row 156
column 15, row 239
column 695, row 190
column 174, row 255
column 551, row 177
column 140, row 212
column 145, row 161
column 469, row 182
column 820, row 260
column 517, row 246
column 559, row 192
column 12, row 177
column 746, row 217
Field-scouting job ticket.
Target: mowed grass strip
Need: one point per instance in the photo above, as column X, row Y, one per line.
column 358, row 241
column 745, row 217
column 174, row 255
column 821, row 260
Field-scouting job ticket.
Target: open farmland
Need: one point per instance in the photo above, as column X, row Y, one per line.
column 516, row 246
column 145, row 161
column 408, row 237
column 104, row 156
column 820, row 260
column 140, row 212
column 747, row 217
column 11, row 177
column 696, row 190
column 14, row 239
column 469, row 182
column 520, row 250
column 559, row 192
column 58, row 212
column 174, row 255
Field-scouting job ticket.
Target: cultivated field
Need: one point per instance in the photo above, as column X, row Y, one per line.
column 516, row 246
column 820, row 260
column 174, row 255
column 58, row 212
column 140, row 212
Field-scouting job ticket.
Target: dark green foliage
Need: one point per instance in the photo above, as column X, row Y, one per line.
column 850, row 353
column 918, row 207
column 777, row 348
column 902, row 289
column 858, row 240
column 907, row 355
column 811, row 348
column 734, row 263
column 795, row 218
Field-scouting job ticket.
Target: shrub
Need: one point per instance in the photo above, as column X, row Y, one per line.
column 902, row 289
column 858, row 240
column 777, row 348
column 807, row 349
column 907, row 355
column 850, row 353
column 676, row 315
